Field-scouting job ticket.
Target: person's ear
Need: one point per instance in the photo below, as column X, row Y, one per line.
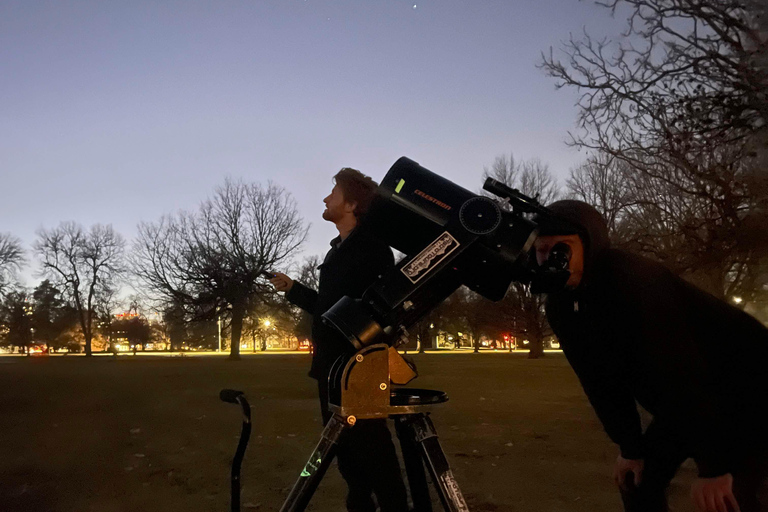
column 350, row 207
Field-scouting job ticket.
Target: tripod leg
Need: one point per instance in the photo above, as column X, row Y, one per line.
column 316, row 466
column 424, row 433
column 414, row 465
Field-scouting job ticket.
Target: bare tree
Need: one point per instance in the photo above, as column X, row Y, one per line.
column 309, row 274
column 105, row 304
column 11, row 260
column 81, row 263
column 209, row 261
column 681, row 101
column 687, row 69
column 603, row 182
column 651, row 216
column 532, row 177
column 523, row 310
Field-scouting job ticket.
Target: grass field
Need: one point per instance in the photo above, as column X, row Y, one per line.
column 149, row 433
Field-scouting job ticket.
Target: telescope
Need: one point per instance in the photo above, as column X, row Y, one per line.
column 451, row 237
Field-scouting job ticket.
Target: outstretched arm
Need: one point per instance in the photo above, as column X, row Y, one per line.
column 295, row 292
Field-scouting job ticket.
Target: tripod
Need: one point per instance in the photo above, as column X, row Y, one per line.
column 362, row 392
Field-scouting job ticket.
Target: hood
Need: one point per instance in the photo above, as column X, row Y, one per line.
column 582, row 219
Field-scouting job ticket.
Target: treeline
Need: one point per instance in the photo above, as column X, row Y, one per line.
column 674, row 122
column 191, row 269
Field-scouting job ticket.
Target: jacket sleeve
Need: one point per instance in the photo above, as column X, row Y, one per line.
column 302, row 296
column 598, row 365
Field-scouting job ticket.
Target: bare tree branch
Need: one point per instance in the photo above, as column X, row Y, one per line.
column 678, row 110
column 11, row 260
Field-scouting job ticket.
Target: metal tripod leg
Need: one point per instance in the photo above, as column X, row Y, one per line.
column 421, row 430
column 414, row 465
column 316, row 466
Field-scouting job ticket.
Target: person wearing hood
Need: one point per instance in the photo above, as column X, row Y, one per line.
column 635, row 333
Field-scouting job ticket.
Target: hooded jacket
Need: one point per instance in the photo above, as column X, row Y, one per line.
column 636, row 333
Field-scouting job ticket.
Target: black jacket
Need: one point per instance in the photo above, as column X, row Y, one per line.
column 633, row 331
column 349, row 268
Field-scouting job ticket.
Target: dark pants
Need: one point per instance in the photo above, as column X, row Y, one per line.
column 368, row 462
column 665, row 452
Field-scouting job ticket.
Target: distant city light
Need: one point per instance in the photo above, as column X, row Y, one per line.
column 737, row 300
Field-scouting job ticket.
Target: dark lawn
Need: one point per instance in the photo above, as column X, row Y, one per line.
column 149, row 433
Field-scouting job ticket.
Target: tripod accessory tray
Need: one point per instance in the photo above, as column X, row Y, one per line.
column 414, row 400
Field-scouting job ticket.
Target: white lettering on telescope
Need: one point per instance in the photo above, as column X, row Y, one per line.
column 430, row 257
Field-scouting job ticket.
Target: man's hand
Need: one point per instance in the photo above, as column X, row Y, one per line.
column 625, row 466
column 281, row 282
column 714, row 494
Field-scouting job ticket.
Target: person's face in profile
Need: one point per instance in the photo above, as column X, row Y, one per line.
column 336, row 207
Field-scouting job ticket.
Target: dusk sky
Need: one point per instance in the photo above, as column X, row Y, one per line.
column 118, row 112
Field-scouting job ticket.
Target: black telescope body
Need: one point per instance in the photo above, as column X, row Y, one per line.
column 450, row 236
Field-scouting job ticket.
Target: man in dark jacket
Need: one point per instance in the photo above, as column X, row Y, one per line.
column 635, row 333
column 367, row 458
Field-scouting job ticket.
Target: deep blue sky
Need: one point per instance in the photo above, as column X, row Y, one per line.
column 117, row 112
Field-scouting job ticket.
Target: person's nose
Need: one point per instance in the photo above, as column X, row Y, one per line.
column 541, row 255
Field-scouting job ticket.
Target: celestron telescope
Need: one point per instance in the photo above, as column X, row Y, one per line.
column 450, row 237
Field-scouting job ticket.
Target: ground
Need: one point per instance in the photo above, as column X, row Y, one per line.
column 140, row 433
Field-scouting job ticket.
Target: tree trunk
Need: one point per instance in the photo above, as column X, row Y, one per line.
column 238, row 312
column 423, row 336
column 88, row 351
column 83, row 325
column 537, row 347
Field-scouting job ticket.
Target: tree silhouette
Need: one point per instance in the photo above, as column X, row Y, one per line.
column 678, row 110
column 11, row 260
column 81, row 263
column 209, row 261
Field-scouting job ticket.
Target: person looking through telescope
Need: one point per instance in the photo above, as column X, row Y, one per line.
column 635, row 333
column 366, row 456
